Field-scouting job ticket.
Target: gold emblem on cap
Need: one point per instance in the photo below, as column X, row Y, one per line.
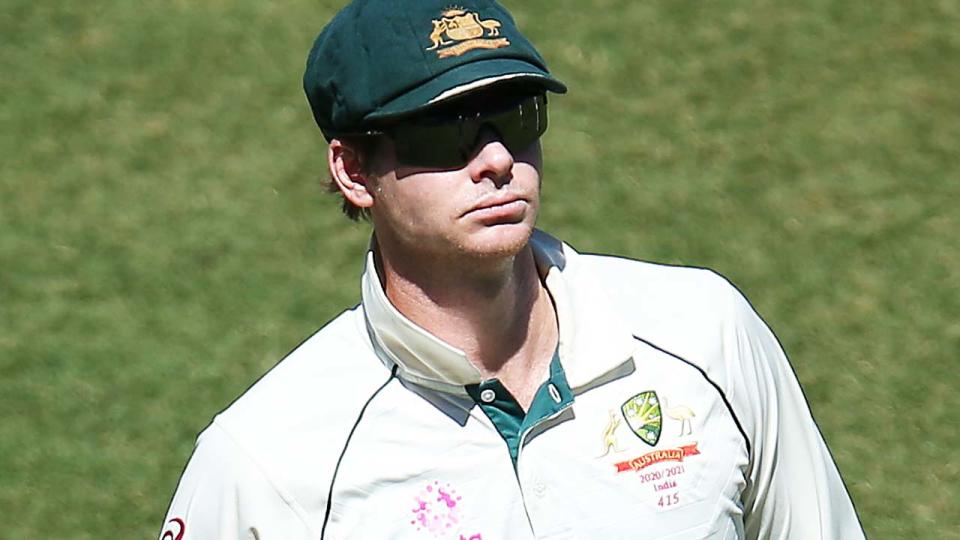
column 458, row 31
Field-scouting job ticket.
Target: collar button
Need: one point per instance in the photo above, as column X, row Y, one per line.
column 554, row 393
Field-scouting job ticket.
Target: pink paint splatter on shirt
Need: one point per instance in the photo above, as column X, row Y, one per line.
column 445, row 497
column 421, row 505
column 437, row 519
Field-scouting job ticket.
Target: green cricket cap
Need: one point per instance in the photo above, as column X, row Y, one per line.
column 380, row 59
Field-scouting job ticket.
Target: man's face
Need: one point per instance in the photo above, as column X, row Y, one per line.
column 485, row 208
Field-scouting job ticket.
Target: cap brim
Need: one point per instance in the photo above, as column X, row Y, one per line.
column 465, row 79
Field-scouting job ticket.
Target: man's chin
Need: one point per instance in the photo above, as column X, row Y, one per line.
column 499, row 241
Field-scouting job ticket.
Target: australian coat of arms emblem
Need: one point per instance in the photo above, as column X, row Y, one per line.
column 458, row 31
column 642, row 413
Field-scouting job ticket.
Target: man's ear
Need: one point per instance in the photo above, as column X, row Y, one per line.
column 349, row 174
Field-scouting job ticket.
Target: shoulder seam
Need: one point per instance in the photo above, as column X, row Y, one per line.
column 714, row 384
column 287, row 499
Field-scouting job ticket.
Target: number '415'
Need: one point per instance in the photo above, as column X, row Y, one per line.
column 669, row 499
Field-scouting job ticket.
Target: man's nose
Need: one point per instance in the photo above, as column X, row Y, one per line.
column 492, row 159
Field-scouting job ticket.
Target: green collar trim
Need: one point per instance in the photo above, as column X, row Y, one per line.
column 508, row 416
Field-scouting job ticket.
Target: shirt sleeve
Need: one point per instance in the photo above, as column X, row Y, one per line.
column 223, row 495
column 794, row 489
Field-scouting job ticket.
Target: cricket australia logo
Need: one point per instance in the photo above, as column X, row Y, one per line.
column 458, row 31
column 642, row 413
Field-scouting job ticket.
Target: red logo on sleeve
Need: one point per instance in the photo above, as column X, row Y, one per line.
column 174, row 530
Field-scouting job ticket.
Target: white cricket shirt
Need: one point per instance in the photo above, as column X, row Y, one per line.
column 669, row 412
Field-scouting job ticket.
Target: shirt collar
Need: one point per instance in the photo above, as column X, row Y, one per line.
column 593, row 341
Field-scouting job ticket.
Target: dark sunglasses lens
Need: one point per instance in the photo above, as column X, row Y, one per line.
column 434, row 146
column 524, row 125
column 450, row 144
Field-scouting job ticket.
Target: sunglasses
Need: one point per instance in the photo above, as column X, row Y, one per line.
column 447, row 138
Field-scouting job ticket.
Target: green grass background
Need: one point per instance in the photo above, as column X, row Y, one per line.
column 164, row 237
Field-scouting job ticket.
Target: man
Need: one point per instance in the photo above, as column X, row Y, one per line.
column 494, row 383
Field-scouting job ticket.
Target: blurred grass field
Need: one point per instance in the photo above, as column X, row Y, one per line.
column 164, row 237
